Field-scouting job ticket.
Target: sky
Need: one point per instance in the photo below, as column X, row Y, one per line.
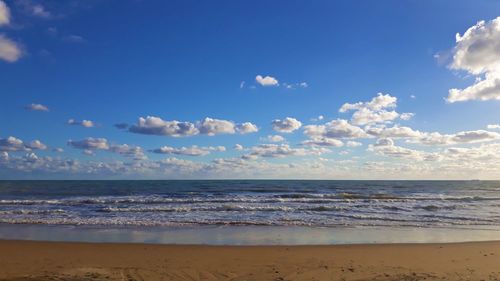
column 249, row 89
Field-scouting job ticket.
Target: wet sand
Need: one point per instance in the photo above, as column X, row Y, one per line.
column 28, row 260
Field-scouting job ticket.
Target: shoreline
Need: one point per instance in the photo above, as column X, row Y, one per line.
column 244, row 235
column 34, row 260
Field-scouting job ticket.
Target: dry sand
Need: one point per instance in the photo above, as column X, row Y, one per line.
column 23, row 260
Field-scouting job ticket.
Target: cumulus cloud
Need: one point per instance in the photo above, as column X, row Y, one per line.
column 212, row 127
column 134, row 152
column 375, row 111
column 238, row 147
column 13, row 144
column 156, row 126
column 83, row 123
column 337, row 129
column 189, row 151
column 393, row 132
column 322, row 141
column 282, row 150
column 90, row 144
column 477, row 52
column 246, row 128
column 36, row 107
column 36, row 144
column 4, row 14
column 10, row 51
column 386, row 147
column 436, row 138
column 266, row 81
column 209, row 126
column 286, row 125
column 273, row 138
column 493, row 126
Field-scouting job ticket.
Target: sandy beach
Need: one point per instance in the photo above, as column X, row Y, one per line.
column 28, row 260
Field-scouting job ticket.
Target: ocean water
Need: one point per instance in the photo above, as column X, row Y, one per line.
column 331, row 204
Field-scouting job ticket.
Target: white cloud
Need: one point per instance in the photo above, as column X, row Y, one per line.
column 4, row 13
column 493, row 126
column 266, row 81
column 477, row 52
column 286, row 125
column 337, row 129
column 212, row 127
column 189, row 151
column 156, row 126
column 246, row 128
column 386, row 147
column 238, row 147
column 10, row 51
column 90, row 144
column 134, row 152
column 406, row 116
column 322, row 141
column 393, row 132
column 36, row 144
column 12, row 144
column 152, row 125
column 83, row 123
column 374, row 111
column 36, row 107
column 273, row 138
column 436, row 138
column 353, row 144
column 319, row 118
column 282, row 150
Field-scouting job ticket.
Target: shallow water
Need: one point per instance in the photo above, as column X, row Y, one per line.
column 331, row 204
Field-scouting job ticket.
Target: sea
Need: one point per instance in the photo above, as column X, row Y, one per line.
column 210, row 211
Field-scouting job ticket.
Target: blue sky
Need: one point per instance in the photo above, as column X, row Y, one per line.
column 113, row 62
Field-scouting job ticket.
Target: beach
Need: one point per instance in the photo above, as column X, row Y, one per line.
column 30, row 260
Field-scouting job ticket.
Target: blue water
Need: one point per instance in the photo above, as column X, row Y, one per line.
column 422, row 204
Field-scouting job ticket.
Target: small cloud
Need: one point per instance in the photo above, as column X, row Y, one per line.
column 39, row 11
column 74, row 39
column 493, row 126
column 238, row 147
column 413, row 96
column 83, row 123
column 36, row 107
column 58, row 150
column 319, row 118
column 266, row 81
column 52, row 31
column 34, row 9
column 121, row 126
column 406, row 116
column 295, row 85
column 4, row 13
column 273, row 138
column 10, row 51
column 242, row 84
column 286, row 125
